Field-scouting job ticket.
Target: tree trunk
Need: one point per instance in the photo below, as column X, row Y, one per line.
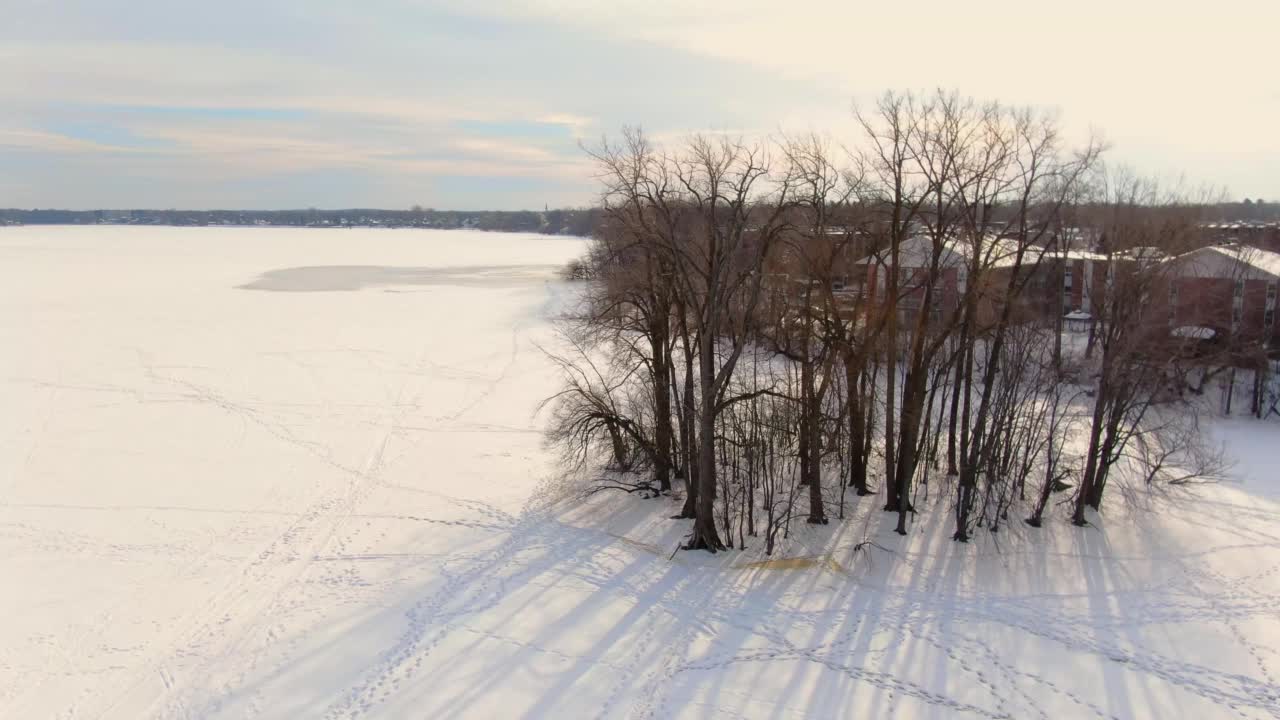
column 1231, row 388
column 619, row 447
column 690, row 439
column 705, row 536
column 891, row 391
column 805, row 448
column 1037, row 515
column 1255, row 402
column 661, row 405
column 812, row 428
column 1091, row 461
column 1100, row 475
column 913, row 395
column 955, row 405
column 912, row 404
column 978, row 448
column 1109, row 440
column 857, row 430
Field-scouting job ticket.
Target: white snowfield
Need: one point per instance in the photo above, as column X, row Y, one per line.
column 297, row 474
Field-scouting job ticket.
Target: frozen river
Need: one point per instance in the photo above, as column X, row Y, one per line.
column 221, row 450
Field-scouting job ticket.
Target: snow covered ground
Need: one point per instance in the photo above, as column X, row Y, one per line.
column 296, row 473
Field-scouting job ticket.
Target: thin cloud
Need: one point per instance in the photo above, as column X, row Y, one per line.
column 399, row 90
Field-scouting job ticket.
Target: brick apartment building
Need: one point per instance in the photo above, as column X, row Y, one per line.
column 915, row 256
column 1231, row 290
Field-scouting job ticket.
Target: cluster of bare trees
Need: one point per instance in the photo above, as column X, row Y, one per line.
column 777, row 328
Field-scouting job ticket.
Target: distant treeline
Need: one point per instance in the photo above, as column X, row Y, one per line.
column 565, row 221
column 578, row 221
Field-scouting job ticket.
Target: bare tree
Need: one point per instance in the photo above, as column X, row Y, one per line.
column 1135, row 370
column 757, row 313
column 739, row 211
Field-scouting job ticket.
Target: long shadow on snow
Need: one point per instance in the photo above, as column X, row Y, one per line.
column 564, row 605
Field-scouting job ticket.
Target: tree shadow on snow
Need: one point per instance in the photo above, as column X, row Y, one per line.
column 586, row 607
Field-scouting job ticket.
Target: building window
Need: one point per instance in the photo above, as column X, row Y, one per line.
column 1237, row 305
column 1269, row 317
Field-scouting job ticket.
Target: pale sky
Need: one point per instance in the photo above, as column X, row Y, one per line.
column 391, row 103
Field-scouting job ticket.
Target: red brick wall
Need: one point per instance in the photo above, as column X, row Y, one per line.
column 1209, row 302
column 1077, row 285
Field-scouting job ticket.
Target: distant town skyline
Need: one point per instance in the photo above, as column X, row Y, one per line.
column 395, row 103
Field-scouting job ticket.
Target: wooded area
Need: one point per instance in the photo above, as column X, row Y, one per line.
column 777, row 329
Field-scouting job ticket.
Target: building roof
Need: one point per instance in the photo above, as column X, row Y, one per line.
column 1229, row 261
column 1035, row 254
column 917, row 251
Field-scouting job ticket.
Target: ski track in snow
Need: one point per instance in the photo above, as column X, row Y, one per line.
column 372, row 574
